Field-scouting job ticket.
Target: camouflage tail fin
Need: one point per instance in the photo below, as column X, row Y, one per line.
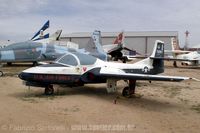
column 94, row 46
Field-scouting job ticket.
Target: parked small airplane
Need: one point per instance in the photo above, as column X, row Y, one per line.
column 115, row 49
column 191, row 58
column 76, row 69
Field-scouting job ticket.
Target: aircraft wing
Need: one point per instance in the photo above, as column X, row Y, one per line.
column 178, row 59
column 120, row 74
column 115, row 48
column 136, row 53
column 177, row 51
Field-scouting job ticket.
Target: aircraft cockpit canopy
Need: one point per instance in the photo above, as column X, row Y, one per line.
column 74, row 59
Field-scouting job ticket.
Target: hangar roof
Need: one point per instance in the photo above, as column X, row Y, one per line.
column 126, row 33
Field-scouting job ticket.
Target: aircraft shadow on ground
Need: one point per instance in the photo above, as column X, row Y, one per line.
column 151, row 104
column 18, row 65
column 183, row 67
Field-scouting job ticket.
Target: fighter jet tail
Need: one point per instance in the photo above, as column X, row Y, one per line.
column 94, row 46
column 40, row 33
column 55, row 36
column 174, row 44
column 119, row 39
column 40, row 37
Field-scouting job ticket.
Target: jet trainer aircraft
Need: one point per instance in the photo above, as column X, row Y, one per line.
column 76, row 69
column 191, row 58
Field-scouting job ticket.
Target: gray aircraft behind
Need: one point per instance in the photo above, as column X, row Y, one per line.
column 31, row 51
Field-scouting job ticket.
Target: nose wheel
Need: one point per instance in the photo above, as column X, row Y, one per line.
column 129, row 90
column 49, row 90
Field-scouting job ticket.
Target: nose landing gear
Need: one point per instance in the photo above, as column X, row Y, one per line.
column 49, row 90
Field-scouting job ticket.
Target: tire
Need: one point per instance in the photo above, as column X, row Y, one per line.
column 1, row 73
column 9, row 63
column 126, row 92
column 49, row 90
column 35, row 63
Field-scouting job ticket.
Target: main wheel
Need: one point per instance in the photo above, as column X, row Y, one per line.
column 9, row 63
column 124, row 59
column 126, row 92
column 35, row 63
column 1, row 73
column 49, row 90
column 174, row 64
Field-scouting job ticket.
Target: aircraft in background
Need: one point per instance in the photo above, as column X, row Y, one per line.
column 46, row 38
column 191, row 58
column 40, row 33
column 115, row 49
column 31, row 51
column 76, row 69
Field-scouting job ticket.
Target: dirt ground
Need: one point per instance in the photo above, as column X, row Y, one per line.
column 167, row 107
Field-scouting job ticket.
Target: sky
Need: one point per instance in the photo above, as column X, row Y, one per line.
column 20, row 19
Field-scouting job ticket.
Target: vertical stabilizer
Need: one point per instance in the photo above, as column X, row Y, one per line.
column 119, row 39
column 40, row 33
column 55, row 36
column 174, row 44
column 94, row 46
column 155, row 61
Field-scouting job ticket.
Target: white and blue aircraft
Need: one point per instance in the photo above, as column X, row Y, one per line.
column 76, row 69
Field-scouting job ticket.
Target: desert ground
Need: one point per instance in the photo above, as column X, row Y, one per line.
column 167, row 107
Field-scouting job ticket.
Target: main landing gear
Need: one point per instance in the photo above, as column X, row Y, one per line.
column 49, row 90
column 175, row 64
column 129, row 90
column 1, row 73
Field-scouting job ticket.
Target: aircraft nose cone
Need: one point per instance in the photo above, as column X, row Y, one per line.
column 23, row 76
column 20, row 75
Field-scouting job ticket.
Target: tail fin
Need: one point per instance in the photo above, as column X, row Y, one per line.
column 94, row 46
column 155, row 61
column 158, row 50
column 40, row 34
column 157, row 57
column 119, row 39
column 55, row 36
column 174, row 44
